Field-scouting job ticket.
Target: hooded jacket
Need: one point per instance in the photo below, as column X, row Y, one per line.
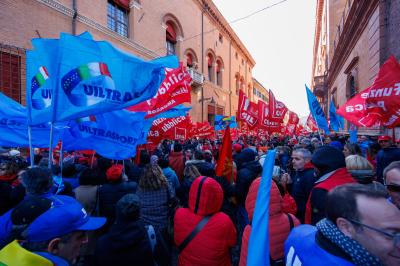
column 279, row 225
column 211, row 245
column 126, row 243
column 248, row 170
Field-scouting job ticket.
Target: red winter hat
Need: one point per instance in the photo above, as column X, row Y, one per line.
column 114, row 173
column 383, row 138
column 237, row 147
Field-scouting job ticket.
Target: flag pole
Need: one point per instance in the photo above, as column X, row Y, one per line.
column 51, row 146
column 31, row 152
column 61, row 159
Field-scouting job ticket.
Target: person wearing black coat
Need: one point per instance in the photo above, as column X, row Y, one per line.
column 247, row 170
column 114, row 190
column 389, row 153
column 302, row 181
column 205, row 168
column 127, row 242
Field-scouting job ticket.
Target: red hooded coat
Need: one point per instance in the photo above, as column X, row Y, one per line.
column 211, row 245
column 279, row 225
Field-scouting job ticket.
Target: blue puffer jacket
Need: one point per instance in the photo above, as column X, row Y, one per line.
column 384, row 158
column 302, row 249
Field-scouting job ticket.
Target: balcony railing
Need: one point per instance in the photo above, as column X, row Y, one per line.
column 197, row 77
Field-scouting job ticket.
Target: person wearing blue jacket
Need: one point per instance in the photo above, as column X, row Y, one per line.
column 389, row 153
column 360, row 229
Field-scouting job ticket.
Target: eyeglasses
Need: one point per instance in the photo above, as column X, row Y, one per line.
column 392, row 187
column 394, row 237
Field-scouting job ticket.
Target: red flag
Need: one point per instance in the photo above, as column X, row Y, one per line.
column 311, row 124
column 248, row 111
column 165, row 128
column 174, row 90
column 277, row 109
column 384, row 94
column 263, row 113
column 378, row 104
column 293, row 118
column 225, row 163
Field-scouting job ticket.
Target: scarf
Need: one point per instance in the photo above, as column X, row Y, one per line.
column 359, row 255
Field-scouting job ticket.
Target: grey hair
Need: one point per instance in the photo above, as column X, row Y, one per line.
column 390, row 167
column 304, row 152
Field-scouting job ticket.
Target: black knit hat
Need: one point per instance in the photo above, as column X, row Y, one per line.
column 128, row 207
column 327, row 159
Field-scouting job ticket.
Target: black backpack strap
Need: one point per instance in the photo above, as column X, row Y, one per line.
column 291, row 223
column 192, row 234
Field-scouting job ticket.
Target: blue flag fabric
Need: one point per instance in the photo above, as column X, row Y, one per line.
column 176, row 111
column 91, row 77
column 258, row 247
column 337, row 122
column 353, row 131
column 316, row 111
column 38, row 89
column 221, row 122
column 14, row 126
column 113, row 135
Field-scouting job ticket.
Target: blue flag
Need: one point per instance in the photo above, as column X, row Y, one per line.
column 337, row 122
column 93, row 77
column 38, row 89
column 221, row 122
column 353, row 131
column 316, row 111
column 113, row 135
column 14, row 126
column 258, row 247
column 176, row 111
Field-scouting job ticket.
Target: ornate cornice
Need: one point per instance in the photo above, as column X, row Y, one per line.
column 355, row 24
column 91, row 23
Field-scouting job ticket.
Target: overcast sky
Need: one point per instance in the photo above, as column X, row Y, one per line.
column 280, row 39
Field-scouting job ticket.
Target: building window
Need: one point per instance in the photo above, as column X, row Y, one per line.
column 254, row 91
column 10, row 74
column 170, row 41
column 189, row 60
column 219, row 73
column 210, row 68
column 117, row 18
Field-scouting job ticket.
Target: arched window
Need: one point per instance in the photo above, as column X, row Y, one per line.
column 220, row 69
column 170, row 41
column 189, row 60
column 210, row 67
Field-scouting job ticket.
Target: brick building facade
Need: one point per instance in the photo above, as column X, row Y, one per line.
column 194, row 30
column 353, row 38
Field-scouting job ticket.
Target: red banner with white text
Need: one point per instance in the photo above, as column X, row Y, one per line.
column 174, row 90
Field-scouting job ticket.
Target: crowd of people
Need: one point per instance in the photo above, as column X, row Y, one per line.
column 332, row 202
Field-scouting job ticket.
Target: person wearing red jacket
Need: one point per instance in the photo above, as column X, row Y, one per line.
column 176, row 161
column 211, row 245
column 280, row 223
column 330, row 167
